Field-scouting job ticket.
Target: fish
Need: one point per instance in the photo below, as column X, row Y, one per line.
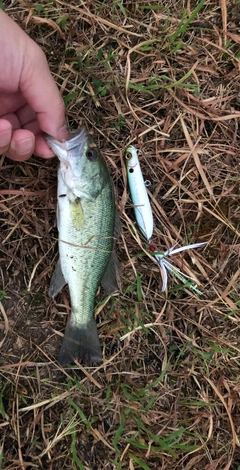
column 138, row 191
column 88, row 225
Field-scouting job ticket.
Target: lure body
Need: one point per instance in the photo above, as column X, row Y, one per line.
column 139, row 195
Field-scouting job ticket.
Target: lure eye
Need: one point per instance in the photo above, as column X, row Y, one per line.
column 92, row 154
column 128, row 156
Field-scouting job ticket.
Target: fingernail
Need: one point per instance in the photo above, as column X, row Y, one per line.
column 23, row 147
column 62, row 134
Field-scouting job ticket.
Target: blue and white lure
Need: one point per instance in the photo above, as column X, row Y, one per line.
column 144, row 218
column 139, row 195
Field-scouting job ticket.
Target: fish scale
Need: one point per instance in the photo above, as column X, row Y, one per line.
column 86, row 219
column 89, row 251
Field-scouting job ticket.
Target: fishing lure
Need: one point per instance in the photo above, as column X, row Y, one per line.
column 144, row 218
column 165, row 265
column 139, row 195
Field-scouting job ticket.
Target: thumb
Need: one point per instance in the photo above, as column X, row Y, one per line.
column 41, row 92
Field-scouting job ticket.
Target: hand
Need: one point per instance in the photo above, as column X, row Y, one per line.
column 30, row 102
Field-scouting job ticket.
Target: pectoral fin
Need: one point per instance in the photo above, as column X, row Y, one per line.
column 57, row 281
column 111, row 280
column 77, row 215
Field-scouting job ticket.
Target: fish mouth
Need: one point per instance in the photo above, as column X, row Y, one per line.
column 69, row 152
column 76, row 138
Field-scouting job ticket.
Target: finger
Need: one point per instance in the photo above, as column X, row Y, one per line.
column 41, row 148
column 12, row 120
column 22, row 145
column 10, row 102
column 33, row 127
column 41, row 92
column 28, row 120
column 25, row 115
column 5, row 135
column 10, row 124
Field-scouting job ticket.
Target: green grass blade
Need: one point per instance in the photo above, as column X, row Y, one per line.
column 140, row 462
column 184, row 24
column 84, row 419
column 76, row 461
column 118, row 434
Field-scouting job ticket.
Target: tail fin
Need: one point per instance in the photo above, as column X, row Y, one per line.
column 80, row 342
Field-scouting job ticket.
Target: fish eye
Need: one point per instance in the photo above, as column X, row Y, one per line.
column 92, row 154
column 128, row 156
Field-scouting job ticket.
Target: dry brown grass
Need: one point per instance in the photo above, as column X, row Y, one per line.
column 167, row 396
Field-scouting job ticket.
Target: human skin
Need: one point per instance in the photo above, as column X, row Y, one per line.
column 30, row 102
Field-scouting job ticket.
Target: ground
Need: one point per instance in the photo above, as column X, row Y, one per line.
column 165, row 78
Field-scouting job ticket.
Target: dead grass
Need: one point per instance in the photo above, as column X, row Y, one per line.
column 167, row 396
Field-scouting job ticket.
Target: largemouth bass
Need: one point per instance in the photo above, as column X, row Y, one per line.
column 86, row 221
